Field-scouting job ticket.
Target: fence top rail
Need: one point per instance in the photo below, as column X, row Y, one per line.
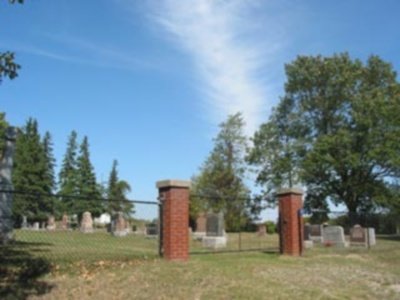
column 33, row 194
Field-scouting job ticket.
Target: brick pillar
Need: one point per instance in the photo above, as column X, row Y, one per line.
column 291, row 222
column 174, row 195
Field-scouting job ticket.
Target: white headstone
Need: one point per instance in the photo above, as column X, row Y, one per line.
column 371, row 236
column 334, row 236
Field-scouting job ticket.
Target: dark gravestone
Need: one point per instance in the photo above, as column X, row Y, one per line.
column 151, row 229
column 215, row 224
column 307, row 232
column 201, row 223
column 316, row 233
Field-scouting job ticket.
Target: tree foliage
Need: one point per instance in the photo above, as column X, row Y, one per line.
column 220, row 185
column 86, row 184
column 68, row 176
column 116, row 193
column 342, row 123
column 29, row 175
column 8, row 67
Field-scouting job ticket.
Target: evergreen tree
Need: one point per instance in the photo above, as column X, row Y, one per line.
column 116, row 193
column 29, row 176
column 50, row 181
column 68, row 175
column 87, row 188
column 220, row 185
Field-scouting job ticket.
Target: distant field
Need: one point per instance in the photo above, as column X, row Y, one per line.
column 322, row 273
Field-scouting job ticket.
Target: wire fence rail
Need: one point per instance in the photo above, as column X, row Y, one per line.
column 65, row 229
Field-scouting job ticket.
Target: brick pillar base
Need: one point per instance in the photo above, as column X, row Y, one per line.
column 174, row 195
column 291, row 222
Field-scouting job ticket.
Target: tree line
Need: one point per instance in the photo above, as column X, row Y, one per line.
column 40, row 193
column 335, row 132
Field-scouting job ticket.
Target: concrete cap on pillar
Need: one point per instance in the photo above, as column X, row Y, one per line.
column 285, row 191
column 173, row 183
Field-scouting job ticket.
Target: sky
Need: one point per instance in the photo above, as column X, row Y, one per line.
column 149, row 81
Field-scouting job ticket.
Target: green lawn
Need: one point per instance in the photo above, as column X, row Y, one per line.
column 321, row 273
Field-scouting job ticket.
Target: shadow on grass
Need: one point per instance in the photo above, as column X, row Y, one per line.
column 20, row 271
column 395, row 238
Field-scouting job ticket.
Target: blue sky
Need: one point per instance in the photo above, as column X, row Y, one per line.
column 149, row 81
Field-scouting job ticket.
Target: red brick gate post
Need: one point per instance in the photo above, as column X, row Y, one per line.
column 174, row 195
column 291, row 221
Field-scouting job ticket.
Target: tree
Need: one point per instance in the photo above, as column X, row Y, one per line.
column 116, row 193
column 68, row 176
column 87, row 189
column 49, row 179
column 29, row 176
column 343, row 117
column 8, row 67
column 220, row 185
column 277, row 148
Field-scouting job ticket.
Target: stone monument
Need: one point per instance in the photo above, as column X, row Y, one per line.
column 36, row 226
column 261, row 229
column 334, row 236
column 87, row 222
column 120, row 225
column 315, row 233
column 6, row 164
column 152, row 230
column 360, row 236
column 24, row 224
column 215, row 235
column 307, row 242
column 51, row 223
column 64, row 222
column 201, row 227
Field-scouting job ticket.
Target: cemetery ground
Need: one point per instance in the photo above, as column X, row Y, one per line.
column 109, row 268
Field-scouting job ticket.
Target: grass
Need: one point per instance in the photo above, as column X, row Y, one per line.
column 321, row 273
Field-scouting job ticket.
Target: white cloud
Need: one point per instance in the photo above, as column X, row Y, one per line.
column 224, row 40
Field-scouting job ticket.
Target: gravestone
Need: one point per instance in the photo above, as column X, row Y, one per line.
column 24, row 224
column 35, row 226
column 215, row 234
column 334, row 236
column 87, row 222
column 371, row 236
column 316, row 233
column 261, row 229
column 6, row 199
column 307, row 232
column 360, row 236
column 152, row 230
column 215, row 224
column 64, row 222
column 51, row 223
column 120, row 225
column 201, row 226
column 307, row 242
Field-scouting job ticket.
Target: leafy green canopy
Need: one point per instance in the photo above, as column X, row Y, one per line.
column 336, row 131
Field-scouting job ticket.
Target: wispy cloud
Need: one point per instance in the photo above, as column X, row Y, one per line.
column 223, row 37
column 76, row 50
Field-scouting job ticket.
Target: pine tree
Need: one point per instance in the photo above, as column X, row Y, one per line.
column 68, row 175
column 29, row 176
column 50, row 181
column 116, row 193
column 86, row 183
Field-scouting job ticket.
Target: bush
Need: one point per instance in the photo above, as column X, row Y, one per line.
column 271, row 227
